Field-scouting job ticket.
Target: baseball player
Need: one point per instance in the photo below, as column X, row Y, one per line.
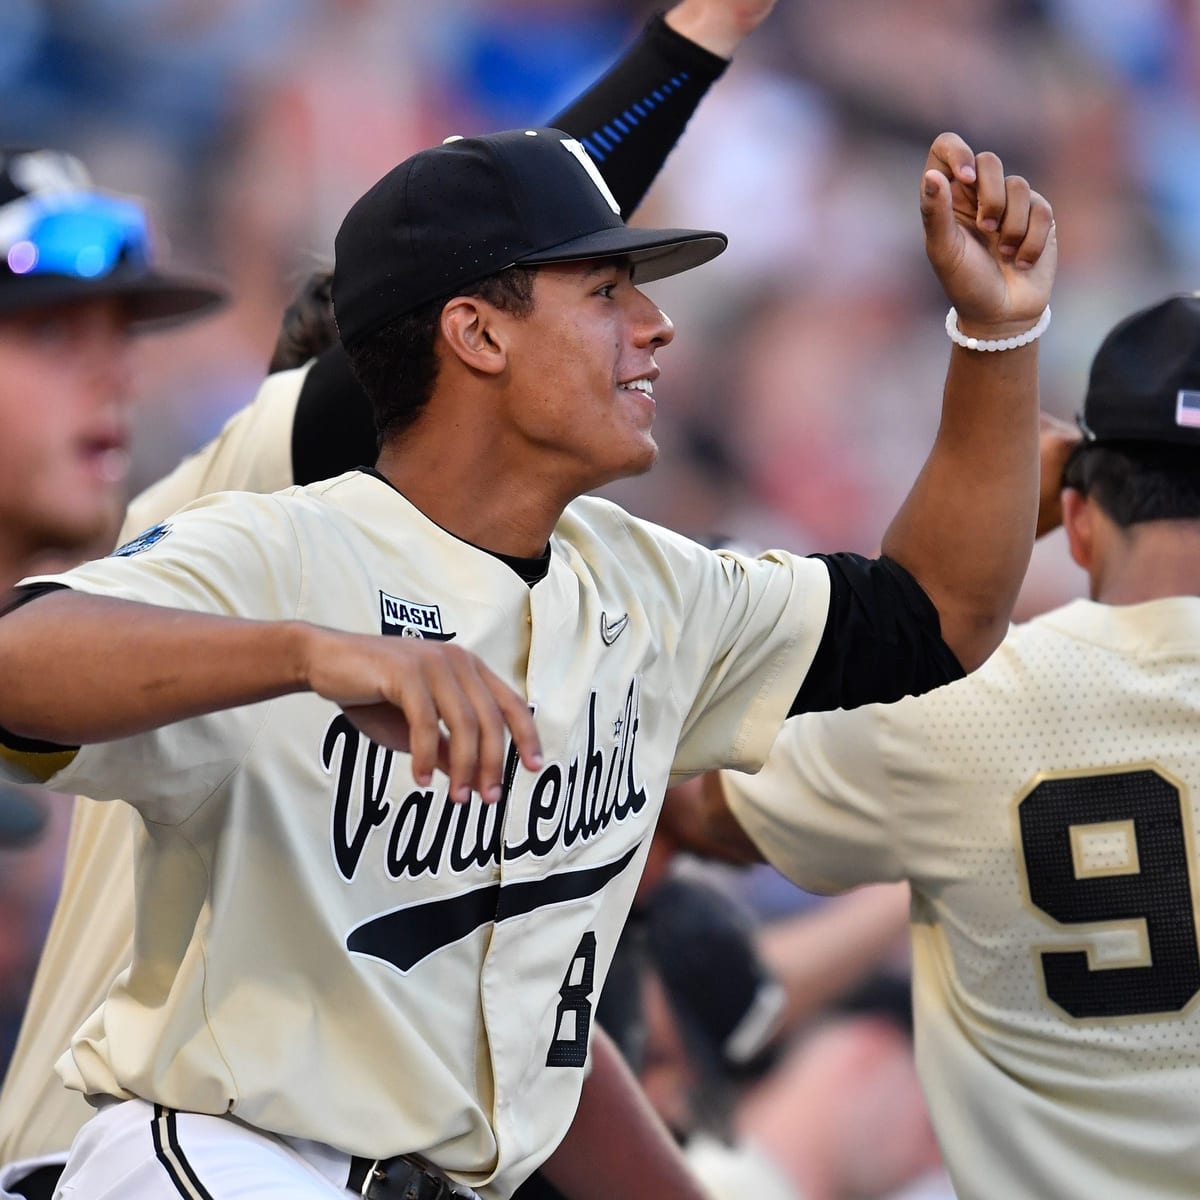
column 1044, row 812
column 303, row 426
column 313, row 905
column 76, row 276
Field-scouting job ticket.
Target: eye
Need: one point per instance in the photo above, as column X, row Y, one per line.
column 606, row 290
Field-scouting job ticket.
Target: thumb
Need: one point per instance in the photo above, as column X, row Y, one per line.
column 937, row 215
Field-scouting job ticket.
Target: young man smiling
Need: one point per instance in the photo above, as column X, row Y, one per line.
column 428, row 954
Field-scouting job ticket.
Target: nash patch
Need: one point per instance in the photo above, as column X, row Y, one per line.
column 143, row 541
column 406, row 618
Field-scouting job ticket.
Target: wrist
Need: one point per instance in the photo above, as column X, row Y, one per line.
column 711, row 28
column 298, row 651
column 996, row 335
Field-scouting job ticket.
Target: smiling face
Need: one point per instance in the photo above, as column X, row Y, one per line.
column 64, row 427
column 581, row 372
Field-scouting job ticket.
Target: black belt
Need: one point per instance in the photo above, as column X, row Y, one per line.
column 400, row 1178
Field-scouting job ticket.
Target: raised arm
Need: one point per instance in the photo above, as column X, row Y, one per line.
column 966, row 529
column 631, row 118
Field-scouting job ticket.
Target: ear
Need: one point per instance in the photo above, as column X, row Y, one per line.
column 1080, row 524
column 469, row 327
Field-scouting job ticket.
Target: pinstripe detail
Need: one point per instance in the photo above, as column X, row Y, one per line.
column 169, row 1152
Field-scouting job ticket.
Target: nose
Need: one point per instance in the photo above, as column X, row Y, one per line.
column 109, row 349
column 655, row 328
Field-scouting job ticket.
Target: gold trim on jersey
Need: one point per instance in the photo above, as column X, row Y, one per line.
column 1106, row 848
column 1100, row 958
column 37, row 765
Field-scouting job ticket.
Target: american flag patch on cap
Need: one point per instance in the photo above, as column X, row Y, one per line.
column 1187, row 409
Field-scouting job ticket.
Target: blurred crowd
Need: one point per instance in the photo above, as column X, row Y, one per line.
column 797, row 402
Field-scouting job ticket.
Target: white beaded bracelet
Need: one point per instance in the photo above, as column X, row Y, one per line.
column 1009, row 343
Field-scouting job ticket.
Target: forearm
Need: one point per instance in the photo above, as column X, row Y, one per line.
column 818, row 956
column 76, row 668
column 631, row 118
column 617, row 1145
column 965, row 531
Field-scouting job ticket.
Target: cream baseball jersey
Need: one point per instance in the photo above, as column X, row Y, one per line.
column 329, row 952
column 1045, row 812
column 90, row 939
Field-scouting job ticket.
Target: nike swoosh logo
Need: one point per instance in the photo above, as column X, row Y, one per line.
column 610, row 632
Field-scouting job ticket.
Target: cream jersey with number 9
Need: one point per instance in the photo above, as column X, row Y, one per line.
column 1045, row 812
column 328, row 951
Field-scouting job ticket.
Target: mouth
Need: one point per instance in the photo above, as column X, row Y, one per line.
column 107, row 455
column 643, row 384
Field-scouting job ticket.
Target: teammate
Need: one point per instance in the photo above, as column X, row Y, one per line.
column 311, row 904
column 1044, row 812
column 304, row 425
column 76, row 277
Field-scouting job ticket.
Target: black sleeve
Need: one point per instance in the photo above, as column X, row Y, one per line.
column 334, row 428
column 631, row 118
column 882, row 639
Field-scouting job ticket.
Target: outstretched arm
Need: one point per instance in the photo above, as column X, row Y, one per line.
column 77, row 668
column 965, row 531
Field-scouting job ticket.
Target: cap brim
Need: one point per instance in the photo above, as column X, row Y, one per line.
column 655, row 253
column 151, row 298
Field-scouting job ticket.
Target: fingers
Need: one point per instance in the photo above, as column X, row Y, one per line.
column 952, row 158
column 478, row 711
column 942, row 239
column 438, row 703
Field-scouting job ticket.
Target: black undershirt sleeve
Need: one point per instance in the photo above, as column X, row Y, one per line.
column 631, row 118
column 882, row 638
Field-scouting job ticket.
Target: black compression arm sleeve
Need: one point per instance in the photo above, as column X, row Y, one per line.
column 882, row 638
column 631, row 118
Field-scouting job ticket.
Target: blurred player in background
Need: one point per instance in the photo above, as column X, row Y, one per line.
column 306, row 424
column 1045, row 813
column 77, row 278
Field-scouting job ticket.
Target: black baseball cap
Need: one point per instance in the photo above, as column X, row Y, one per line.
column 454, row 214
column 729, row 1004
column 1144, row 384
column 63, row 240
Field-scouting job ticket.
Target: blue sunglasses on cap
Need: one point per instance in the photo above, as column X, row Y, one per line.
column 81, row 235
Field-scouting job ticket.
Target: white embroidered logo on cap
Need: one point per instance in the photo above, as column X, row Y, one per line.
column 1187, row 409
column 585, row 160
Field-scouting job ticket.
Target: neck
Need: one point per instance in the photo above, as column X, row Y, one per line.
column 1150, row 561
column 472, row 491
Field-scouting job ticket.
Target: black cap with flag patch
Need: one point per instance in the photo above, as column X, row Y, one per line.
column 1144, row 384
column 452, row 215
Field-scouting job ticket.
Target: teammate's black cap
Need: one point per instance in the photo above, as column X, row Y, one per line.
column 450, row 216
column 728, row 1002
column 61, row 240
column 1145, row 379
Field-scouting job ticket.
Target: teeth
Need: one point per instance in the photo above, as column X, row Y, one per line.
column 640, row 385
